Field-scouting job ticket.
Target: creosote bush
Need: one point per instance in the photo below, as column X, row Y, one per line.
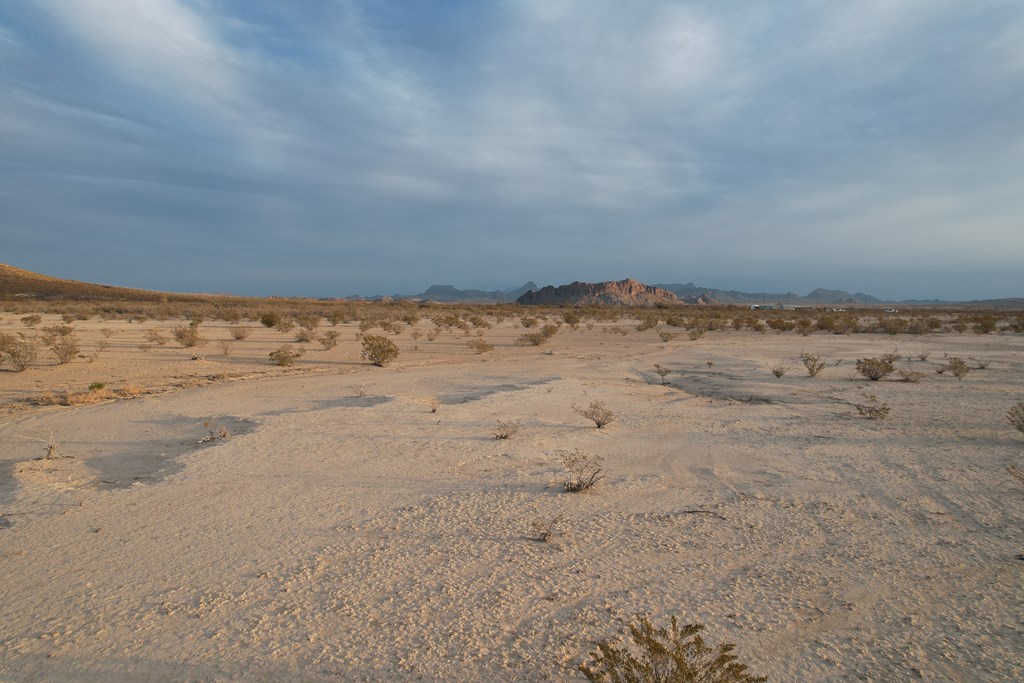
column 240, row 333
column 506, row 429
column 584, row 471
column 875, row 368
column 329, row 339
column 872, row 408
column 596, row 412
column 480, row 345
column 543, row 529
column 1016, row 416
column 189, row 336
column 378, row 350
column 285, row 356
column 537, row 338
column 813, row 363
column 64, row 348
column 958, row 367
column 675, row 655
column 18, row 352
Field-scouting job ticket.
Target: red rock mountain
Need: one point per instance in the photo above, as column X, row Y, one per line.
column 623, row 292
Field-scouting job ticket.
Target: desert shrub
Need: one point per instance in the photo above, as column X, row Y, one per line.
column 874, row 368
column 480, row 345
column 918, row 326
column 270, row 319
column 188, row 336
column 584, row 471
column 304, row 335
column 240, row 333
column 337, row 316
column 912, row 376
column 378, row 350
column 507, row 429
column 310, row 321
column 1016, row 416
column 891, row 356
column 805, row 326
column 960, row 326
column 68, row 317
column 597, row 413
column 647, row 323
column 65, row 348
column 18, row 352
column 781, row 325
column 813, row 363
column 572, row 319
column 666, row 336
column 285, row 325
column 328, row 339
column 675, row 655
column 529, row 321
column 958, row 367
column 31, row 320
column 923, row 355
column 985, row 324
column 285, row 356
column 537, row 338
column 779, row 369
column 48, row 335
column 872, row 408
column 542, row 530
column 156, row 336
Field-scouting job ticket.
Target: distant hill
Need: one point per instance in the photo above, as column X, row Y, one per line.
column 817, row 297
column 24, row 284
column 448, row 293
column 623, row 292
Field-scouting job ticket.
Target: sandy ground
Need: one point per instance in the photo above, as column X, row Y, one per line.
column 343, row 531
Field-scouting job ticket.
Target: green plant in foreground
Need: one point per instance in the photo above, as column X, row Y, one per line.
column 658, row 655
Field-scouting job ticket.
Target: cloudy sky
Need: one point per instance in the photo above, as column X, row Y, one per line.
column 336, row 147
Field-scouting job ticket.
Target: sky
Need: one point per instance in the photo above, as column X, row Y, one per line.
column 357, row 147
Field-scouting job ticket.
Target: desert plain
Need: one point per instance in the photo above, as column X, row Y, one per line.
column 213, row 517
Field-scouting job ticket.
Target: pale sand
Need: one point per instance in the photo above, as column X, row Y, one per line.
column 342, row 537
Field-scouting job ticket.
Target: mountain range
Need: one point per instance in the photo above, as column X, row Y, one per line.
column 24, row 284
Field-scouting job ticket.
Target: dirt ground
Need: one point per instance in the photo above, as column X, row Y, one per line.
column 339, row 521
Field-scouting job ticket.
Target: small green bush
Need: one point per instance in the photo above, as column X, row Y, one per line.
column 875, row 368
column 189, row 336
column 378, row 350
column 285, row 356
column 958, row 367
column 676, row 655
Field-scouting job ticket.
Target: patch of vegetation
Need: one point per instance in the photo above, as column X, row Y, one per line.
column 674, row 655
column 958, row 367
column 596, row 412
column 1016, row 416
column 584, row 471
column 378, row 350
column 507, row 429
column 875, row 368
column 872, row 408
column 779, row 369
column 285, row 356
column 812, row 362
